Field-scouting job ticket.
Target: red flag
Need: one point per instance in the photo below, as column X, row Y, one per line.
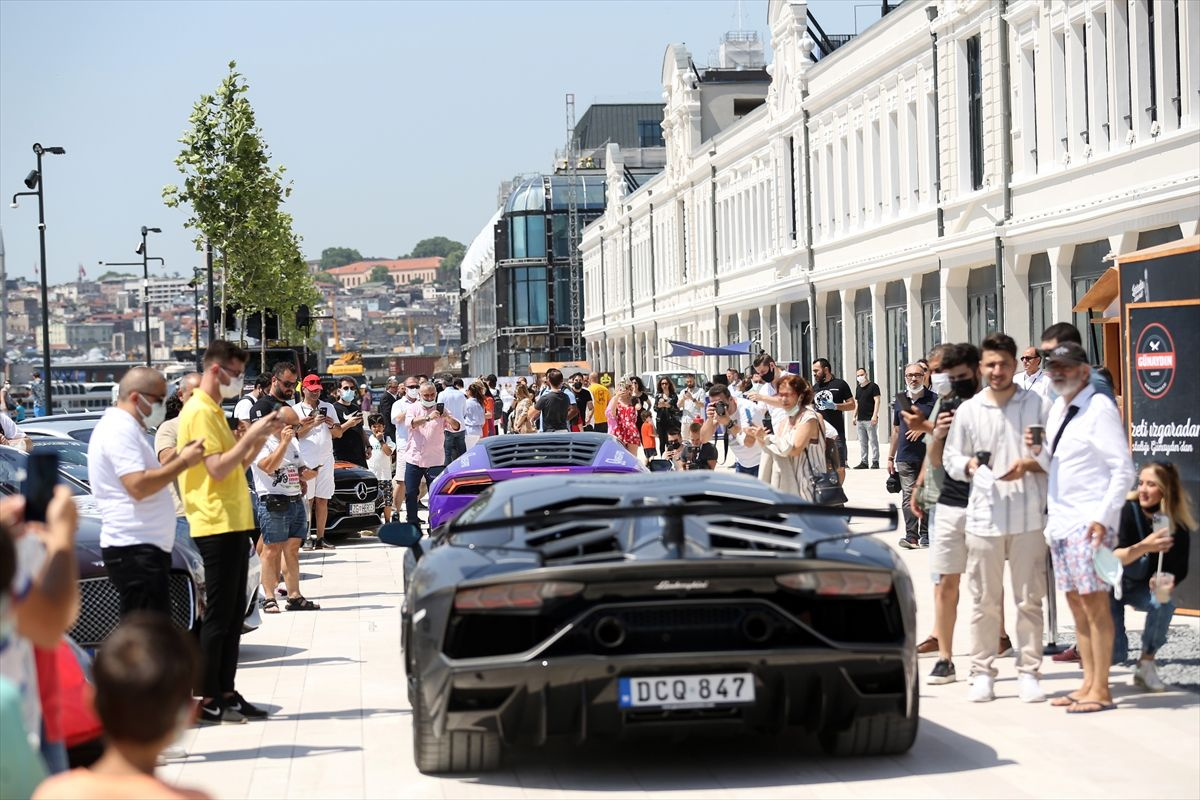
column 82, row 272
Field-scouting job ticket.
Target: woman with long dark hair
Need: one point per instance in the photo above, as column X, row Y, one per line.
column 664, row 411
column 795, row 452
column 639, row 396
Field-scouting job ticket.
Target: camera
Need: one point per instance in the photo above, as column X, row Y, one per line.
column 721, row 408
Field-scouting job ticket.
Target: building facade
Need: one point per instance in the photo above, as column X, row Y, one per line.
column 962, row 166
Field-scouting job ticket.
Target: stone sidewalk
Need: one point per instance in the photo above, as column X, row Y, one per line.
column 334, row 680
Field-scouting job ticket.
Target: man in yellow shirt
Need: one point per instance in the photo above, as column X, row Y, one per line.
column 216, row 498
column 600, row 398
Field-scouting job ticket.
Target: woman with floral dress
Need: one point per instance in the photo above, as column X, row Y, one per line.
column 622, row 416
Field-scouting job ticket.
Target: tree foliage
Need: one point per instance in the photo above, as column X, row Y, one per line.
column 339, row 257
column 236, row 199
column 436, row 246
column 379, row 274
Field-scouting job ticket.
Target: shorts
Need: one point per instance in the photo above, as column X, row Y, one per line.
column 322, row 485
column 279, row 526
column 948, row 541
column 385, row 489
column 1074, row 570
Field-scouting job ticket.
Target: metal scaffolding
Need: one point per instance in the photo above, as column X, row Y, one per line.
column 575, row 264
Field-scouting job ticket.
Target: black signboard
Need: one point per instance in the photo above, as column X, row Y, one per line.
column 1163, row 384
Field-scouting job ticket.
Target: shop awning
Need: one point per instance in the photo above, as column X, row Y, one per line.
column 1102, row 294
column 696, row 350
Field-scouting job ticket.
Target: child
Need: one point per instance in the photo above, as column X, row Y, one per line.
column 647, row 425
column 380, row 460
column 144, row 674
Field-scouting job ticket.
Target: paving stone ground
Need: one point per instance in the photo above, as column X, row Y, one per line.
column 341, row 725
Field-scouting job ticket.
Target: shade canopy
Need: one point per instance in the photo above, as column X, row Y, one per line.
column 697, row 350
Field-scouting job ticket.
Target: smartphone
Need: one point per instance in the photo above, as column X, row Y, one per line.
column 905, row 403
column 983, row 457
column 41, row 476
column 440, row 408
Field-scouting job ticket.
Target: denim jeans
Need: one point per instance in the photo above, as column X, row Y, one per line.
column 454, row 445
column 868, row 440
column 1158, row 622
column 412, row 487
column 226, row 564
column 141, row 574
column 915, row 529
column 753, row 471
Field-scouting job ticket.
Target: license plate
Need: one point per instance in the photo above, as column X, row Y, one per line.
column 361, row 509
column 685, row 691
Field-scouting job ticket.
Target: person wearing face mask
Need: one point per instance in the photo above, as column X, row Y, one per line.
column 166, row 443
column 351, row 444
column 137, row 514
column 906, row 451
column 316, row 448
column 216, row 497
column 866, row 419
column 795, row 452
column 424, row 452
column 832, row 397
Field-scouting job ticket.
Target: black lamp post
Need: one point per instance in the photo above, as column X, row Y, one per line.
column 195, row 284
column 34, row 182
column 144, row 264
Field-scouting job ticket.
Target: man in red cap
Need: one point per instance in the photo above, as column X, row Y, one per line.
column 316, row 450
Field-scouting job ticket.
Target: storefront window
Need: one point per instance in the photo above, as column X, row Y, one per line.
column 527, row 296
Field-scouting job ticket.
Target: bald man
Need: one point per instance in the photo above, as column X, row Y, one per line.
column 278, row 472
column 137, row 516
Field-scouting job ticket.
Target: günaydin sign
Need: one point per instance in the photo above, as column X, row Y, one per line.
column 1154, row 360
column 1164, row 418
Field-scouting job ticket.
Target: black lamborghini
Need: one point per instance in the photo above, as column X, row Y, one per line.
column 601, row 606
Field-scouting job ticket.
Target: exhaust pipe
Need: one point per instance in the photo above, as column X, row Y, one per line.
column 609, row 632
column 757, row 628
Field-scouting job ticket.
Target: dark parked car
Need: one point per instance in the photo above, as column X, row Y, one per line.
column 99, row 611
column 357, row 500
column 665, row 604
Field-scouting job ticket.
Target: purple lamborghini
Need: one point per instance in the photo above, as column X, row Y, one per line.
column 502, row 458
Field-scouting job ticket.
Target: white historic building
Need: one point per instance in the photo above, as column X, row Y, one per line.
column 862, row 211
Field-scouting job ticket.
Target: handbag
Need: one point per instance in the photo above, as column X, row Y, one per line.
column 826, row 488
column 276, row 503
column 1138, row 571
column 893, row 483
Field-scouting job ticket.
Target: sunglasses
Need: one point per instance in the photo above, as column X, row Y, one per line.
column 1030, row 358
column 287, row 384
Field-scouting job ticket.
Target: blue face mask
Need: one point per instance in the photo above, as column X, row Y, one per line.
column 347, row 395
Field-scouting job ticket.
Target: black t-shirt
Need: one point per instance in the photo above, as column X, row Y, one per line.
column 553, row 406
column 351, row 446
column 838, row 392
column 668, row 414
column 582, row 398
column 1132, row 531
column 698, row 457
column 865, row 396
column 954, row 493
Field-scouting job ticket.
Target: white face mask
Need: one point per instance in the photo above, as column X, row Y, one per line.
column 429, row 403
column 793, row 411
column 233, row 388
column 158, row 412
column 413, row 394
column 940, row 383
column 862, row 380
column 915, row 391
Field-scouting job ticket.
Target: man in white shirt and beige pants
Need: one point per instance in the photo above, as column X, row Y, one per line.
column 1090, row 474
column 1005, row 515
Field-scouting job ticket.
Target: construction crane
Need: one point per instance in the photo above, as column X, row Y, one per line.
column 574, row 264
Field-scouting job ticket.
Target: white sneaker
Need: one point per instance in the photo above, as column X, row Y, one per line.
column 1030, row 688
column 1146, row 676
column 172, row 752
column 980, row 690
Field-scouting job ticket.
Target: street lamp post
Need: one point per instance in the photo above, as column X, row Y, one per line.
column 34, row 182
column 195, row 284
column 144, row 264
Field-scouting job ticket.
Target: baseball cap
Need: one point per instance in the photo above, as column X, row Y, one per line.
column 1067, row 353
column 312, row 382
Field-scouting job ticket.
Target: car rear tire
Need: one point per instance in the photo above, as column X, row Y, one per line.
column 874, row 735
column 454, row 751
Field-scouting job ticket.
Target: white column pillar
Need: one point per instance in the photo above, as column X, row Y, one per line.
column 1167, row 71
column 1015, row 274
column 1189, row 51
column 1060, row 280
column 848, row 337
column 743, row 318
column 1118, row 70
column 954, row 304
column 819, row 342
column 916, row 333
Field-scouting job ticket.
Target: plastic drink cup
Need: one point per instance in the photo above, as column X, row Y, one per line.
column 1038, row 434
column 1162, row 583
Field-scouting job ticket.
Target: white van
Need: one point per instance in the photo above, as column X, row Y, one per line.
column 677, row 377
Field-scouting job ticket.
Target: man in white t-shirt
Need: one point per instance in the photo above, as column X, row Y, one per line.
column 262, row 386
column 316, row 449
column 691, row 400
column 11, row 435
column 454, row 400
column 278, row 470
column 411, row 395
column 137, row 514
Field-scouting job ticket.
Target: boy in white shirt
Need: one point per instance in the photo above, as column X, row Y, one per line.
column 379, row 460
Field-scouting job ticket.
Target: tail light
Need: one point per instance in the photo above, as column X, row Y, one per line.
column 469, row 484
column 838, row 582
column 513, row 595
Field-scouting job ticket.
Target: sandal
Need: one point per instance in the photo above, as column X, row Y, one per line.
column 1064, row 701
column 269, row 606
column 1090, row 707
column 301, row 604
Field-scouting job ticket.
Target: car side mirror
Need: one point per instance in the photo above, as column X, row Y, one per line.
column 400, row 534
column 659, row 465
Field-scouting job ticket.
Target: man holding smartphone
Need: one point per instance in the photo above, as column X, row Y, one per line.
column 906, row 451
column 349, row 444
column 316, row 449
column 137, row 512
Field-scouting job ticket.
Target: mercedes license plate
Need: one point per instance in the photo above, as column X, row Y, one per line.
column 685, row 691
column 361, row 509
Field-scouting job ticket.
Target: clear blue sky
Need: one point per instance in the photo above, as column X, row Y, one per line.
column 396, row 121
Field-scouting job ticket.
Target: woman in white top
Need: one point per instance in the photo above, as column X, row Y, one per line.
column 473, row 415
column 795, row 452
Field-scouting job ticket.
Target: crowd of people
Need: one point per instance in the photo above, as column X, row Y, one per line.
column 998, row 458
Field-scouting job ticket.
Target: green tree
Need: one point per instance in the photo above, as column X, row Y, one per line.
column 436, row 246
column 236, row 201
column 339, row 257
column 380, row 274
column 449, row 269
column 325, row 277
